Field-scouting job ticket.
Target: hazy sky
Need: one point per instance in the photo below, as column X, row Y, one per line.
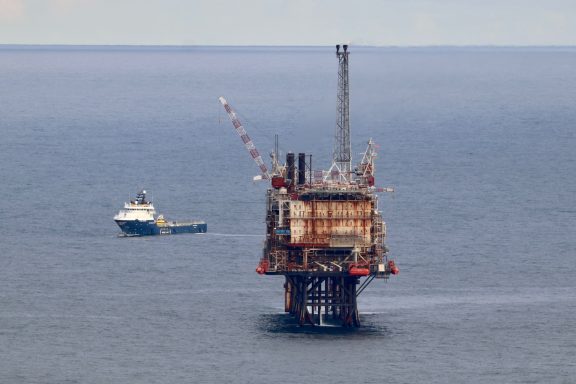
column 289, row 22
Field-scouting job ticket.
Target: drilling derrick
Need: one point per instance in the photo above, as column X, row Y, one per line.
column 324, row 232
column 341, row 157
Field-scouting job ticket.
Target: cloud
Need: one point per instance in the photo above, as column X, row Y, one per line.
column 11, row 10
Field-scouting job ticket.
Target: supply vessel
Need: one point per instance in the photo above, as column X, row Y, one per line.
column 324, row 230
column 138, row 218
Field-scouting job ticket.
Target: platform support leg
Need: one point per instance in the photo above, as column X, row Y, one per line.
column 308, row 298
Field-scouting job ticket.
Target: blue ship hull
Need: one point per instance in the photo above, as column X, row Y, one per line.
column 150, row 228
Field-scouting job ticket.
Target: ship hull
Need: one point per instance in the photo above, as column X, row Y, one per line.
column 150, row 228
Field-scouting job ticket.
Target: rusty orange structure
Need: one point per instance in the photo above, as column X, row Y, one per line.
column 323, row 235
column 324, row 231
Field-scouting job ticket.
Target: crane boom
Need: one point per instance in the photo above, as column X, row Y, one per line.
column 250, row 147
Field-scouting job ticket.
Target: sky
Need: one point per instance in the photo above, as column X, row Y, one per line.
column 289, row 22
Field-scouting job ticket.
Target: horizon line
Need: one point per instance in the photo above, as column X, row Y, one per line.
column 287, row 45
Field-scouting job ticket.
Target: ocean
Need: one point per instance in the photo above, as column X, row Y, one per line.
column 478, row 143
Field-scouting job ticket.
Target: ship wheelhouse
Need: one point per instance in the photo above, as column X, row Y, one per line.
column 137, row 210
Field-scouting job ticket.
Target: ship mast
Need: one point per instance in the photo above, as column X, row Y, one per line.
column 341, row 157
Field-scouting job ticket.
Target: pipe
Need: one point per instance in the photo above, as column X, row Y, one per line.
column 290, row 170
column 301, row 168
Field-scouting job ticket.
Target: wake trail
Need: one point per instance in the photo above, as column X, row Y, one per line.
column 231, row 235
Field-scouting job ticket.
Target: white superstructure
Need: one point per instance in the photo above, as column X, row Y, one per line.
column 138, row 209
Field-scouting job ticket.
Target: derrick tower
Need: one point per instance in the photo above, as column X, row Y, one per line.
column 324, row 232
column 341, row 155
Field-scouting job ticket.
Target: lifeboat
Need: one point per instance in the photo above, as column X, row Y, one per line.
column 262, row 267
column 393, row 268
column 358, row 270
column 161, row 221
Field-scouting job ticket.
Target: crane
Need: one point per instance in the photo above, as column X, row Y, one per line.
column 250, row 147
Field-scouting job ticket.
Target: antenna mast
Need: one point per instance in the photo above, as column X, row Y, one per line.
column 341, row 156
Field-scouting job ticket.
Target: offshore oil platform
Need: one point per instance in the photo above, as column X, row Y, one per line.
column 324, row 232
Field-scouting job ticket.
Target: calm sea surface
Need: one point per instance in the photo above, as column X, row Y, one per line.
column 479, row 144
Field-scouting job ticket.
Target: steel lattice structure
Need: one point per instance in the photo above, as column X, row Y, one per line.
column 341, row 156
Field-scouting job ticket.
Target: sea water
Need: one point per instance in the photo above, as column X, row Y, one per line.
column 479, row 145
